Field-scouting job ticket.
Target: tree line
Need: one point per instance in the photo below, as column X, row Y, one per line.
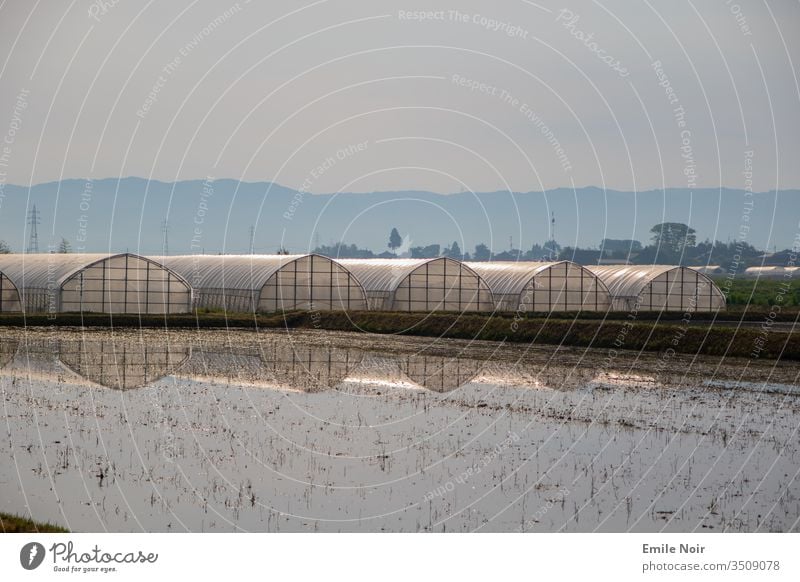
column 671, row 243
column 64, row 247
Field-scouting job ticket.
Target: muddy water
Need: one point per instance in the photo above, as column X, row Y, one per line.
column 320, row 431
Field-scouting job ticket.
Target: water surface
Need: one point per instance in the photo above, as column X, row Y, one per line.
column 321, row 431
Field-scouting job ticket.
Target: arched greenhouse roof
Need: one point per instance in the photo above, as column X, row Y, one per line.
column 41, row 270
column 250, row 272
column 511, row 277
column 388, row 274
column 631, row 280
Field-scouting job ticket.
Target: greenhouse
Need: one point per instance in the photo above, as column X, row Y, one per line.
column 441, row 284
column 250, row 283
column 543, row 287
column 121, row 283
column 9, row 295
column 659, row 288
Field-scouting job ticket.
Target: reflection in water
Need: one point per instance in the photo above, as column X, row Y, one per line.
column 8, row 348
column 620, row 379
column 121, row 365
column 548, row 376
column 223, row 363
column 382, row 371
column 284, row 363
column 310, row 368
column 437, row 373
column 273, row 363
column 222, row 446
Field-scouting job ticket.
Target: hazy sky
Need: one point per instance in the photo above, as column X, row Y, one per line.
column 440, row 95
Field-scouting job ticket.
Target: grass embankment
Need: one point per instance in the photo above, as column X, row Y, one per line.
column 16, row 524
column 586, row 330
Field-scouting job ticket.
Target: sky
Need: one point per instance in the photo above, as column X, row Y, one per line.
column 354, row 96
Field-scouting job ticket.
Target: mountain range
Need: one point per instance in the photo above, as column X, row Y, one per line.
column 217, row 216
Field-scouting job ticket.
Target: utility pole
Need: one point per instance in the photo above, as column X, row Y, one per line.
column 553, row 226
column 33, row 222
column 165, row 231
column 252, row 239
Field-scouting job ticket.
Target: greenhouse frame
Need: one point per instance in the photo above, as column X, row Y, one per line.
column 543, row 287
column 439, row 284
column 269, row 283
column 659, row 288
column 103, row 283
column 9, row 295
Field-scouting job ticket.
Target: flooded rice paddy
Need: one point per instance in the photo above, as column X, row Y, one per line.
column 322, row 431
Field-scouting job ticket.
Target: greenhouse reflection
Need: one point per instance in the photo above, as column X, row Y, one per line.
column 281, row 363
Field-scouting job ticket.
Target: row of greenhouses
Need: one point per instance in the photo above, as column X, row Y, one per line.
column 129, row 283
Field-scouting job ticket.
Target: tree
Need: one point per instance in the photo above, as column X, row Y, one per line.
column 4, row 248
column 613, row 245
column 64, row 248
column 673, row 237
column 282, row 251
column 395, row 240
column 551, row 249
column 428, row 252
column 344, row 251
column 453, row 251
column 482, row 253
column 537, row 253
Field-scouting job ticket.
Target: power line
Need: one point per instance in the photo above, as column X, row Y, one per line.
column 165, row 231
column 33, row 222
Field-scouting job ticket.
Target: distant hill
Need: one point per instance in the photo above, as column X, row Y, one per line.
column 128, row 214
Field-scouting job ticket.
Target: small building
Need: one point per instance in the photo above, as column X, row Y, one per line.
column 426, row 285
column 100, row 283
column 269, row 283
column 659, row 288
column 543, row 287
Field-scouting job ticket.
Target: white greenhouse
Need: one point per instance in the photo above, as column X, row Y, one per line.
column 440, row 284
column 543, row 287
column 266, row 283
column 659, row 288
column 9, row 295
column 119, row 283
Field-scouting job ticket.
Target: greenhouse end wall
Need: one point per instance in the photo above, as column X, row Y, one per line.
column 422, row 285
column 442, row 285
column 543, row 287
column 312, row 283
column 125, row 284
column 9, row 296
column 659, row 288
